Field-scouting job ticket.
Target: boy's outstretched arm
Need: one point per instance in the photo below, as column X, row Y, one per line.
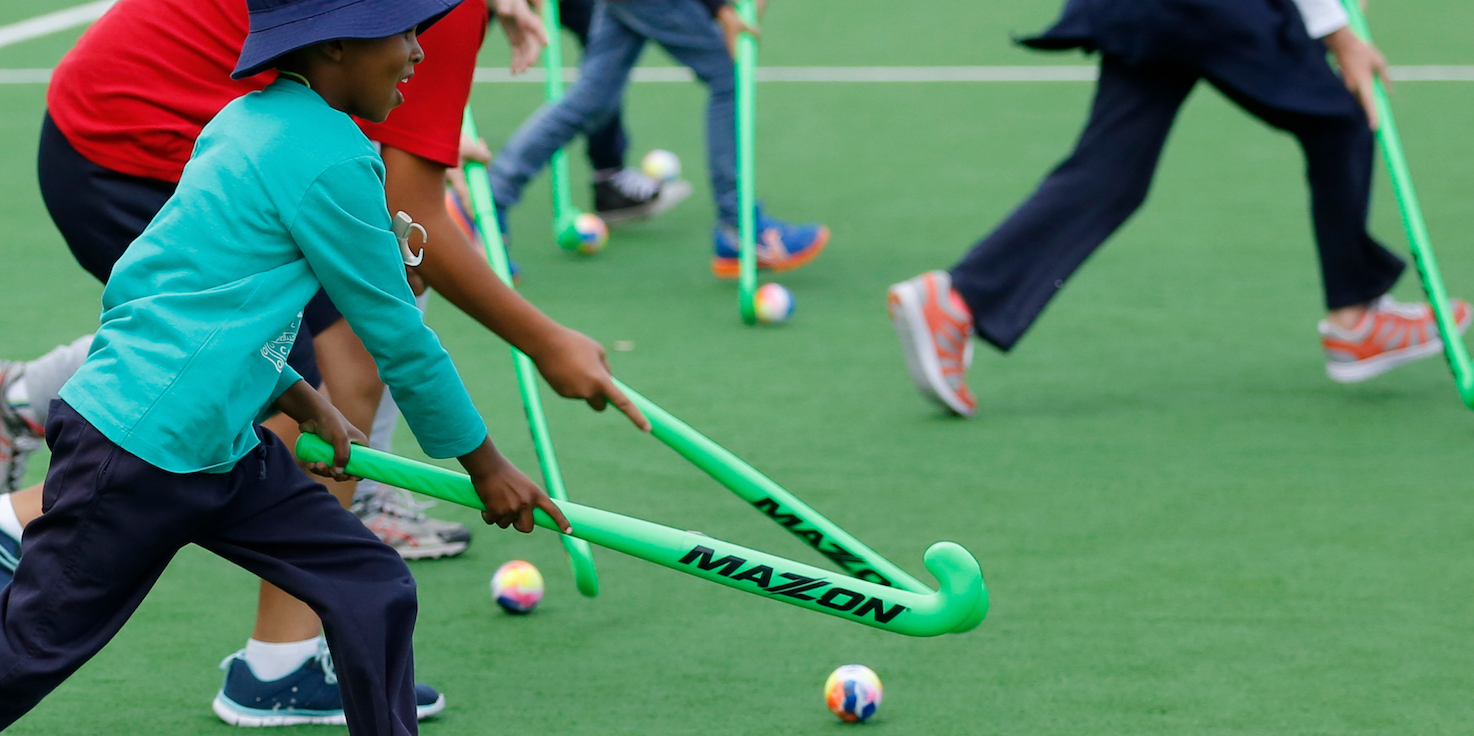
column 575, row 365
column 314, row 414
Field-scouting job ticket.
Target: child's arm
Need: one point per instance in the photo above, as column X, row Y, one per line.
column 508, row 494
column 314, row 414
column 342, row 228
column 573, row 364
column 1360, row 64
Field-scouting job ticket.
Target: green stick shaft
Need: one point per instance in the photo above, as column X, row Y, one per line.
column 563, row 210
column 747, row 164
column 724, row 563
column 580, row 557
column 845, row 551
column 1454, row 348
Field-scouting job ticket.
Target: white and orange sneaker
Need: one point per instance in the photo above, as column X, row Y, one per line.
column 935, row 328
column 1391, row 334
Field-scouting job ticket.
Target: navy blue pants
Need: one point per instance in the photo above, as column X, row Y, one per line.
column 1010, row 276
column 100, row 212
column 112, row 523
column 608, row 144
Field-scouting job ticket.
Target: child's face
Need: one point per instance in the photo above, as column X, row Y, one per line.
column 374, row 68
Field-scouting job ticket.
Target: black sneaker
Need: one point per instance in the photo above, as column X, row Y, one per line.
column 628, row 194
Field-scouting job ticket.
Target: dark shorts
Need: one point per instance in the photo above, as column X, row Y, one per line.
column 100, row 212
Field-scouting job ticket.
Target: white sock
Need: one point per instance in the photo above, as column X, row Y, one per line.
column 9, row 522
column 270, row 661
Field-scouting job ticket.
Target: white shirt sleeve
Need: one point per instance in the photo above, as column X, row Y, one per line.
column 1322, row 17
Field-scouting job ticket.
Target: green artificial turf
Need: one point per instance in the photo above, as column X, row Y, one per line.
column 1185, row 527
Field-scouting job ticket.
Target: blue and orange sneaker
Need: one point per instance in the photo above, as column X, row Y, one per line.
column 780, row 246
column 935, row 328
column 308, row 696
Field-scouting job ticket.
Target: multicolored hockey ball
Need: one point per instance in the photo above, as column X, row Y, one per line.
column 517, row 586
column 853, row 693
column 773, row 304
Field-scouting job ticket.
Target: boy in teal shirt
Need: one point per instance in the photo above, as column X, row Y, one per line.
column 153, row 441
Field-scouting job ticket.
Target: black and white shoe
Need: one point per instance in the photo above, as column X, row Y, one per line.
column 629, row 194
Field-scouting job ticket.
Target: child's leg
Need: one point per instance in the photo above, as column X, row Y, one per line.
column 608, row 144
column 1355, row 268
column 686, row 30
column 589, row 104
column 287, row 529
column 112, row 524
column 1008, row 277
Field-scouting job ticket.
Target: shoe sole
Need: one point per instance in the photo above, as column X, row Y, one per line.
column 670, row 195
column 921, row 359
column 731, row 268
column 236, row 714
column 431, row 551
column 1364, row 370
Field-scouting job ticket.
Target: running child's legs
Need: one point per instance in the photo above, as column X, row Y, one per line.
column 1009, row 277
column 607, row 145
column 114, row 522
column 687, row 32
column 589, row 104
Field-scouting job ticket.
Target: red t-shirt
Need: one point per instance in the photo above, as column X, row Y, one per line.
column 136, row 90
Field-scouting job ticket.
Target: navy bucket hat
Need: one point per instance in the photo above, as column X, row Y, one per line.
column 282, row 26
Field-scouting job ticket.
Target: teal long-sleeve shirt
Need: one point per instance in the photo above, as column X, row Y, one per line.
column 282, row 194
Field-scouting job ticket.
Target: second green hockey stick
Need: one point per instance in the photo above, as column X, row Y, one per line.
column 483, row 209
column 1454, row 349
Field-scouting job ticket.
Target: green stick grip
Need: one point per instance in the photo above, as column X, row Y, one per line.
column 724, row 563
column 746, row 73
column 564, row 213
column 746, row 482
column 580, row 556
column 1454, row 349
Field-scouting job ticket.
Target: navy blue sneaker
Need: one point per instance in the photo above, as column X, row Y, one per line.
column 9, row 557
column 308, row 696
column 781, row 246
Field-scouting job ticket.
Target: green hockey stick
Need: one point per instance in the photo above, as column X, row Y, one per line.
column 580, row 556
column 564, row 213
column 827, row 538
column 770, row 576
column 1454, row 349
column 746, row 73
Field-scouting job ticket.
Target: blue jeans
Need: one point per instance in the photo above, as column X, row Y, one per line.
column 619, row 31
column 608, row 144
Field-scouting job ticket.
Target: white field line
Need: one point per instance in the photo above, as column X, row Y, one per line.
column 913, row 74
column 45, row 25
column 846, row 74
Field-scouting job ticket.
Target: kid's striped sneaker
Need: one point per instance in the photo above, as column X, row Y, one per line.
column 19, row 437
column 9, row 557
column 308, row 696
column 780, row 246
column 401, row 522
column 1390, row 334
column 935, row 328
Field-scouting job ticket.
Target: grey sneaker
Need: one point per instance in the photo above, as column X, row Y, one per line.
column 400, row 521
column 19, row 437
